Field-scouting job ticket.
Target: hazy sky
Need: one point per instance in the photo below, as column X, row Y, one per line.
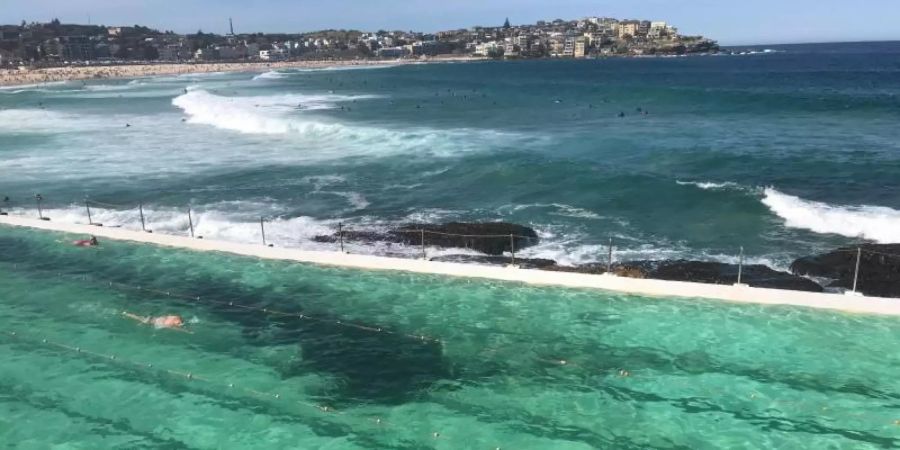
column 729, row 21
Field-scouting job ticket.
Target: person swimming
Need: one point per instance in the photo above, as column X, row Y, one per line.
column 92, row 242
column 170, row 322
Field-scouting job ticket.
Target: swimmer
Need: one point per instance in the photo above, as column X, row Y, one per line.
column 92, row 242
column 170, row 322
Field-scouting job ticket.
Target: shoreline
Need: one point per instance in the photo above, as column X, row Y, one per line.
column 14, row 77
column 633, row 286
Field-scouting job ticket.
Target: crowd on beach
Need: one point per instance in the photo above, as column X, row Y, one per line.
column 12, row 77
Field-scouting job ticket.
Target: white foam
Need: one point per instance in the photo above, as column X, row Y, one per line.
column 709, row 186
column 278, row 116
column 877, row 223
column 271, row 75
column 35, row 121
column 259, row 115
column 559, row 209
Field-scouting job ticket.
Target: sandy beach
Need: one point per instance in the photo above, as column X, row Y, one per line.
column 12, row 77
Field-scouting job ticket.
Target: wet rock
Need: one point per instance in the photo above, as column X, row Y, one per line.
column 879, row 268
column 702, row 272
column 755, row 275
column 525, row 263
column 492, row 238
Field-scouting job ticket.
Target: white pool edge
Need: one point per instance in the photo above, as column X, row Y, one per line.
column 646, row 287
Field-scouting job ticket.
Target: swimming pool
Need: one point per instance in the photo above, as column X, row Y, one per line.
column 456, row 364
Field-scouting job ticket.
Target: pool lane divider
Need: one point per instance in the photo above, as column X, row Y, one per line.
column 606, row 282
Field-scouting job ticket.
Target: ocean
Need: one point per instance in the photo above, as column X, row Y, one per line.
column 785, row 152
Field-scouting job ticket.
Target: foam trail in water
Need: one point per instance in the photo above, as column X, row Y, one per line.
column 877, row 223
column 709, row 185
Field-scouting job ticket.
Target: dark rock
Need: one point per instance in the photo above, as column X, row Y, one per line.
column 525, row 263
column 879, row 268
column 492, row 238
column 702, row 272
column 755, row 275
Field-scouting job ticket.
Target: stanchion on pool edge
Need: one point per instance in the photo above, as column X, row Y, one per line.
column 512, row 249
column 88, row 207
column 262, row 229
column 5, row 205
column 341, row 235
column 609, row 257
column 422, row 234
column 856, row 271
column 191, row 222
column 740, row 266
column 40, row 198
column 141, row 210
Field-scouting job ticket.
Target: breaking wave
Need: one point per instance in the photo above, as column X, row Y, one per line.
column 271, row 75
column 284, row 115
column 876, row 223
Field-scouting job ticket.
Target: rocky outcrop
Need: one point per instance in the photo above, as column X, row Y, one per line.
column 702, row 272
column 492, row 238
column 879, row 268
column 524, row 263
column 755, row 275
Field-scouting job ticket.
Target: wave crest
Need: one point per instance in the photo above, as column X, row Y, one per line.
column 877, row 223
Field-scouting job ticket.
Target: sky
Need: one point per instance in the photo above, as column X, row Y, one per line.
column 731, row 22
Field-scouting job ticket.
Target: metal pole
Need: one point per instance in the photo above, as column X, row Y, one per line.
column 40, row 211
column 512, row 249
column 141, row 209
column 5, row 205
column 856, row 272
column 422, row 231
column 262, row 229
column 740, row 265
column 341, row 235
column 191, row 222
column 88, row 207
column 609, row 257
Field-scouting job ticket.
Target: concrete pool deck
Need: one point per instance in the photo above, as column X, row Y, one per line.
column 646, row 287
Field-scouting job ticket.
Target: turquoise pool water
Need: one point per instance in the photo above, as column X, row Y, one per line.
column 637, row 372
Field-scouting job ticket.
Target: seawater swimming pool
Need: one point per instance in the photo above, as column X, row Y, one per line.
column 700, row 374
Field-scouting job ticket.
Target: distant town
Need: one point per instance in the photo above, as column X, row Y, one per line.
column 55, row 43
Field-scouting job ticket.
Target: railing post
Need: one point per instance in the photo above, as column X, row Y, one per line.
column 512, row 248
column 856, row 271
column 191, row 222
column 5, row 205
column 88, row 207
column 262, row 229
column 422, row 234
column 609, row 257
column 40, row 199
column 341, row 235
column 740, row 265
column 141, row 210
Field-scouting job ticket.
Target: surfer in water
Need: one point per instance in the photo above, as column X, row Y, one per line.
column 172, row 322
column 92, row 242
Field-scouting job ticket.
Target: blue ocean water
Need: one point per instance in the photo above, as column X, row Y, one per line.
column 784, row 152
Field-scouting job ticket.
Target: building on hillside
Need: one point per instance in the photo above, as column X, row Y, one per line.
column 569, row 47
column 390, row 52
column 657, row 30
column 76, row 48
column 581, row 46
column 643, row 28
column 171, row 52
column 627, row 29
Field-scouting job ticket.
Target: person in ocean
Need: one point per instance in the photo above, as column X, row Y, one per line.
column 92, row 242
column 173, row 322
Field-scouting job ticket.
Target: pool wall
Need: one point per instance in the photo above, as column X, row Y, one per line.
column 647, row 287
